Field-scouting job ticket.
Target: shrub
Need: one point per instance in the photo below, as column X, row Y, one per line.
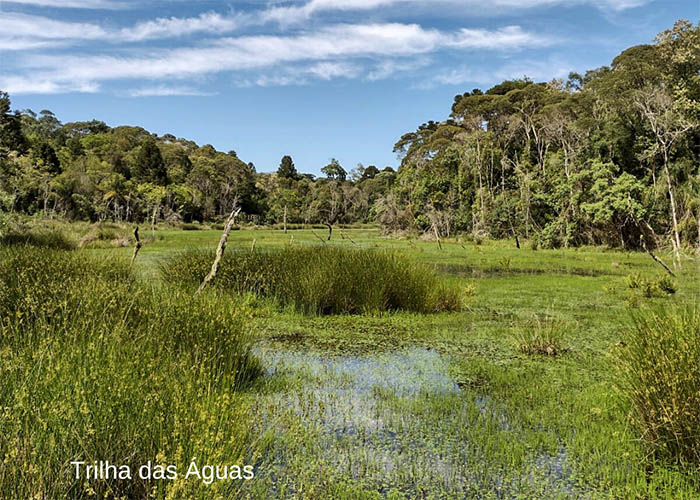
column 660, row 376
column 666, row 285
column 540, row 336
column 660, row 287
column 95, row 366
column 323, row 280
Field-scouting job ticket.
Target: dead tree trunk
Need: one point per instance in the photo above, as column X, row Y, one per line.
column 220, row 249
column 330, row 230
column 344, row 236
column 153, row 222
column 674, row 213
column 317, row 236
column 517, row 240
column 137, row 246
column 651, row 254
column 437, row 236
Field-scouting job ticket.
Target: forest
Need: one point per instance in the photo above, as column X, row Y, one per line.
column 606, row 157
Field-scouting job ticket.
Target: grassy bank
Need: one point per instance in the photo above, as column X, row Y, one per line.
column 97, row 366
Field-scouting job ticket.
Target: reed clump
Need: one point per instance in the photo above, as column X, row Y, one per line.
column 323, row 280
column 660, row 375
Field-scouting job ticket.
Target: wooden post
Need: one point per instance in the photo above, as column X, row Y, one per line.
column 220, row 249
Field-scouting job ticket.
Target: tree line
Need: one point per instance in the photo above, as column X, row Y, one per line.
column 606, row 157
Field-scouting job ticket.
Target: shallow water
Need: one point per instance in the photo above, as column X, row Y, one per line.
column 395, row 421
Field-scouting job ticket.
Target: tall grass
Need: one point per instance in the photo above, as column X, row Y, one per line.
column 37, row 237
column 94, row 366
column 323, row 280
column 660, row 374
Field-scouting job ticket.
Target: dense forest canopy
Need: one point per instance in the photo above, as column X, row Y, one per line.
column 608, row 157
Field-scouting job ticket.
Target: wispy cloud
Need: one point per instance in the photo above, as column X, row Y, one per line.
column 331, row 43
column 208, row 22
column 33, row 29
column 165, row 90
column 537, row 70
column 40, row 85
column 302, row 11
column 71, row 4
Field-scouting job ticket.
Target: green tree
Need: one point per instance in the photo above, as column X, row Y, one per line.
column 287, row 170
column 335, row 171
column 149, row 165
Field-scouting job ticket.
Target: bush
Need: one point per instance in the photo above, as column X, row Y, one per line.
column 95, row 366
column 323, row 280
column 660, row 376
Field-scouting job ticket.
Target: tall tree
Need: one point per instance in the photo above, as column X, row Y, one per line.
column 287, row 170
column 149, row 165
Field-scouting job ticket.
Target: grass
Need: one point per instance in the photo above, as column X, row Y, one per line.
column 408, row 405
column 660, row 373
column 95, row 366
column 323, row 279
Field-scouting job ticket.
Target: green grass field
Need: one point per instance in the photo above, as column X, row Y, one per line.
column 404, row 405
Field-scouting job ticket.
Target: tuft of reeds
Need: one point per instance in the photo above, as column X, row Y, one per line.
column 660, row 375
column 540, row 337
column 323, row 280
column 96, row 366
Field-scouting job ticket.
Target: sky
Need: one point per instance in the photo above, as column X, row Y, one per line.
column 315, row 79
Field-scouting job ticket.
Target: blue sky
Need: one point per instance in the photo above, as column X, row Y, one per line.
column 311, row 78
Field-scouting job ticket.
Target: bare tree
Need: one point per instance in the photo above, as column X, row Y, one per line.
column 222, row 246
column 668, row 125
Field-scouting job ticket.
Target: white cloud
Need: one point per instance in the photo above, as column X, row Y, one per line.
column 72, row 4
column 38, row 85
column 535, row 70
column 257, row 52
column 165, row 90
column 389, row 67
column 29, row 30
column 328, row 70
column 37, row 27
column 208, row 22
column 302, row 11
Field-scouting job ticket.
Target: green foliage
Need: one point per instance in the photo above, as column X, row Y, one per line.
column 323, row 280
column 127, row 373
column 660, row 375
